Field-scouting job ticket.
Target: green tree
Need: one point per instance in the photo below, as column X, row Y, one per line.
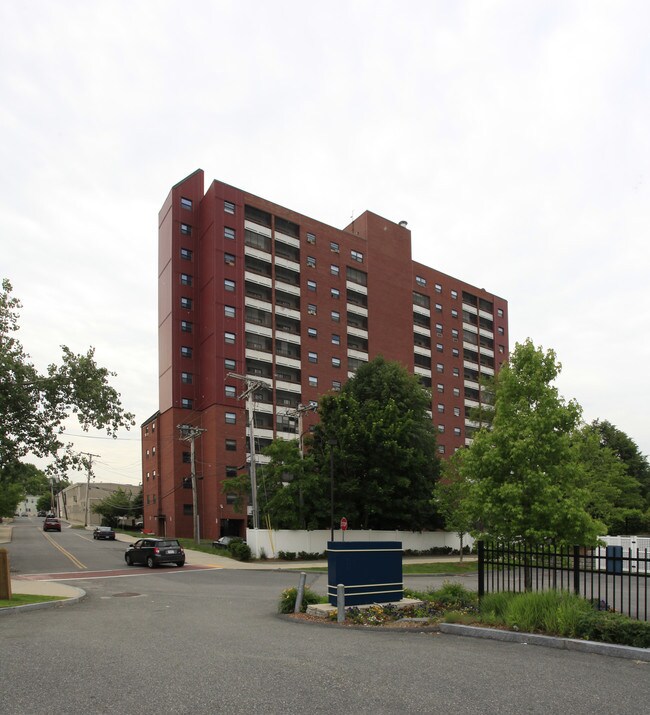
column 526, row 482
column 34, row 405
column 612, row 492
column 115, row 505
column 10, row 496
column 451, row 498
column 384, row 450
column 627, row 451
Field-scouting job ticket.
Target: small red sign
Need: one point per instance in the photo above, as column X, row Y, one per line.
column 344, row 523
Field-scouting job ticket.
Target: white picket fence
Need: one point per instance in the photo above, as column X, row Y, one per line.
column 271, row 542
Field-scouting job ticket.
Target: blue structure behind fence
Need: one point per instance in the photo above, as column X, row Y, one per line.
column 614, row 578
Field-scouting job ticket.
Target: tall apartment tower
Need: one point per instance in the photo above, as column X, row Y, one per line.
column 250, row 289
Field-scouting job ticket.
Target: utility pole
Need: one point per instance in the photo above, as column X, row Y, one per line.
column 190, row 434
column 298, row 414
column 89, row 467
column 247, row 394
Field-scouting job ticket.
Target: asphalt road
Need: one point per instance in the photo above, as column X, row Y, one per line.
column 209, row 641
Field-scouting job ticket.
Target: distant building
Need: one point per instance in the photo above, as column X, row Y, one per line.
column 72, row 502
column 28, row 506
column 247, row 288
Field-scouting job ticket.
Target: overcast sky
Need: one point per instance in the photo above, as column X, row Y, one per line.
column 512, row 136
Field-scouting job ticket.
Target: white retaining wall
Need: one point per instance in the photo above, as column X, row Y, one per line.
column 272, row 542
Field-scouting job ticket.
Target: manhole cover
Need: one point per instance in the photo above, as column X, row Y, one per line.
column 125, row 595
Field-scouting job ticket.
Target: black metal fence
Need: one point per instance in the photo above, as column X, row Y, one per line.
column 613, row 578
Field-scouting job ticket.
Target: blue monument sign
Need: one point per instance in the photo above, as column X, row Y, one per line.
column 371, row 571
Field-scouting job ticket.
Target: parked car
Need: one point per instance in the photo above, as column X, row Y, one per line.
column 51, row 523
column 104, row 532
column 225, row 541
column 41, row 513
column 153, row 552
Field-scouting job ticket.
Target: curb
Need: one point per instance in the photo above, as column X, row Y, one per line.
column 63, row 601
column 608, row 649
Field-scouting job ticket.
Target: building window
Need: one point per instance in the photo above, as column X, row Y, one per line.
column 455, row 352
column 229, row 364
column 186, row 254
column 231, row 418
column 500, row 312
column 438, row 288
column 456, row 372
column 334, row 247
column 186, row 403
column 186, row 303
column 231, row 391
column 439, row 328
column 441, row 387
column 336, row 316
column 456, row 392
column 454, row 313
column 441, row 449
column 231, row 445
column 312, row 357
column 334, row 269
column 187, row 510
column 440, row 368
column 186, row 229
column 229, row 233
column 336, row 362
column 454, row 294
column 186, row 279
column 457, row 411
column 313, row 381
column 229, row 259
column 311, row 309
column 356, row 276
column 186, row 351
column 457, row 431
column 229, row 285
column 438, row 308
column 311, row 285
column 312, row 332
column 454, row 335
column 311, row 262
column 336, row 339
column 231, row 472
column 441, row 408
column 187, row 378
column 357, row 256
column 420, row 281
column 186, row 326
column 501, row 349
column 336, row 386
column 439, row 347
column 441, row 428
column 500, row 330
column 229, row 207
column 186, row 203
column 229, row 338
column 229, row 311
column 187, row 457
column 335, row 293
column 311, row 238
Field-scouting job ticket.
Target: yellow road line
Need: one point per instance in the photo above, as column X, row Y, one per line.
column 72, row 558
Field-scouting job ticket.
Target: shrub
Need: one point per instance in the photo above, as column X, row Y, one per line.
column 240, row 550
column 453, row 596
column 308, row 555
column 614, row 628
column 288, row 600
column 287, row 555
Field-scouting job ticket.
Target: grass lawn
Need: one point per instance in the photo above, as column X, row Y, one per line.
column 22, row 599
column 429, row 568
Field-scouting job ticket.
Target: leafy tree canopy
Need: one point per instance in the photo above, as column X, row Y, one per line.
column 384, row 449
column 526, row 482
column 34, row 405
column 451, row 498
column 116, row 505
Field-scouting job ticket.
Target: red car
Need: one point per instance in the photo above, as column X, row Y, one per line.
column 51, row 524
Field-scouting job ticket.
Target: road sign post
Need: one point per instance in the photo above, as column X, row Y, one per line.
column 344, row 526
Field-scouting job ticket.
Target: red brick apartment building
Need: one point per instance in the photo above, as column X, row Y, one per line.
column 250, row 288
